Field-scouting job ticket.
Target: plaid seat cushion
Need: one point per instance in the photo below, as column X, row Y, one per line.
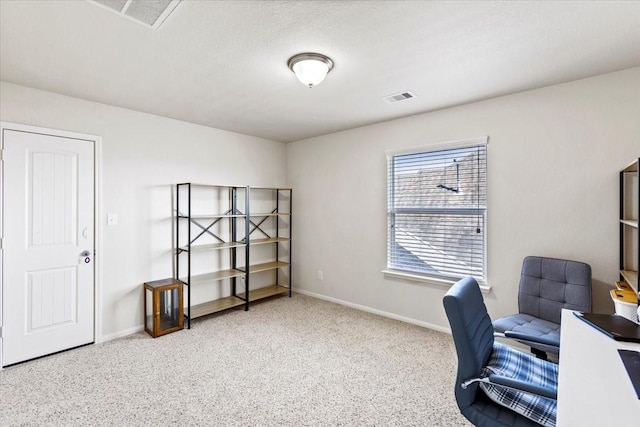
column 521, row 366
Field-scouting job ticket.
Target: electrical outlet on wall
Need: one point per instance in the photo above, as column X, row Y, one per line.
column 320, row 275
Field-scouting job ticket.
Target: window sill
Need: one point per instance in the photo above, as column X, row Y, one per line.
column 424, row 279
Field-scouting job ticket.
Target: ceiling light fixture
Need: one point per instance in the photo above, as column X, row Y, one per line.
column 310, row 68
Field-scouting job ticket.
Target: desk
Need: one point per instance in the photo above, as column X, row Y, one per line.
column 593, row 386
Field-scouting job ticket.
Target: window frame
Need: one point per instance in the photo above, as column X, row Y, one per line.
column 428, row 278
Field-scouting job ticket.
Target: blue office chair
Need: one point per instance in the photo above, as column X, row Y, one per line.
column 547, row 285
column 495, row 384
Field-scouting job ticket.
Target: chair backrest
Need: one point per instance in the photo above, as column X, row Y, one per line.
column 472, row 334
column 547, row 285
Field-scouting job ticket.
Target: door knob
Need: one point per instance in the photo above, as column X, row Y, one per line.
column 85, row 256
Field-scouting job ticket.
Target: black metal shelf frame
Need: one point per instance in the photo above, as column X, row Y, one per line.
column 253, row 224
column 275, row 213
column 626, row 198
column 233, row 215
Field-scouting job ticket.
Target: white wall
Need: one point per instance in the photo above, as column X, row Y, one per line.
column 553, row 161
column 143, row 155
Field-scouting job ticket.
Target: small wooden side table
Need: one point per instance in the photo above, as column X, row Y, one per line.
column 164, row 310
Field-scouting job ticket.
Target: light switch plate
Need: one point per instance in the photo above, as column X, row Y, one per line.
column 112, row 219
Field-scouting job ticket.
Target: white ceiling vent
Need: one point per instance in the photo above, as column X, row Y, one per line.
column 402, row 96
column 151, row 13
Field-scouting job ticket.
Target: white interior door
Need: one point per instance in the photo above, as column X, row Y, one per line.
column 47, row 244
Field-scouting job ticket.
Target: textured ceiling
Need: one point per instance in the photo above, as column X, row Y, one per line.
column 223, row 63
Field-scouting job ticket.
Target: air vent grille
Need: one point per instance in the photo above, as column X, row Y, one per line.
column 402, row 96
column 151, row 13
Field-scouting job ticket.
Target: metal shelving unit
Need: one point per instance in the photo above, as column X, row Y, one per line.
column 273, row 208
column 226, row 233
column 629, row 235
column 224, row 229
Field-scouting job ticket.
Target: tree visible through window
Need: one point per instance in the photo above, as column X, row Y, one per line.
column 437, row 211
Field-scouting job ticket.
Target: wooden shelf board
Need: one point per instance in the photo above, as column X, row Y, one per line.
column 630, row 222
column 215, row 306
column 195, row 184
column 214, row 246
column 231, row 302
column 216, row 275
column 267, row 266
column 266, row 292
column 212, row 216
column 254, row 215
column 271, row 188
column 226, row 274
column 633, row 167
column 631, row 277
column 269, row 240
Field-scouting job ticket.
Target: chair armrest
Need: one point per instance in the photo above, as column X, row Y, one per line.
column 524, row 386
column 532, row 338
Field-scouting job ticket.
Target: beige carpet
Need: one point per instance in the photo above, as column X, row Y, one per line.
column 287, row 362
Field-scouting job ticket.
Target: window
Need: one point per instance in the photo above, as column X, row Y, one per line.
column 437, row 207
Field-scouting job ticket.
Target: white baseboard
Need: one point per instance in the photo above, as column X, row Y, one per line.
column 120, row 334
column 375, row 311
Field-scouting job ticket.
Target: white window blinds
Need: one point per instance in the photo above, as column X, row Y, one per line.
column 437, row 206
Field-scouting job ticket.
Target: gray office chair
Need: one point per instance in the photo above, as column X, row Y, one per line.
column 547, row 285
column 495, row 384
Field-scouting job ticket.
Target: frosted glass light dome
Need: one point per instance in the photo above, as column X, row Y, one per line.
column 310, row 68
